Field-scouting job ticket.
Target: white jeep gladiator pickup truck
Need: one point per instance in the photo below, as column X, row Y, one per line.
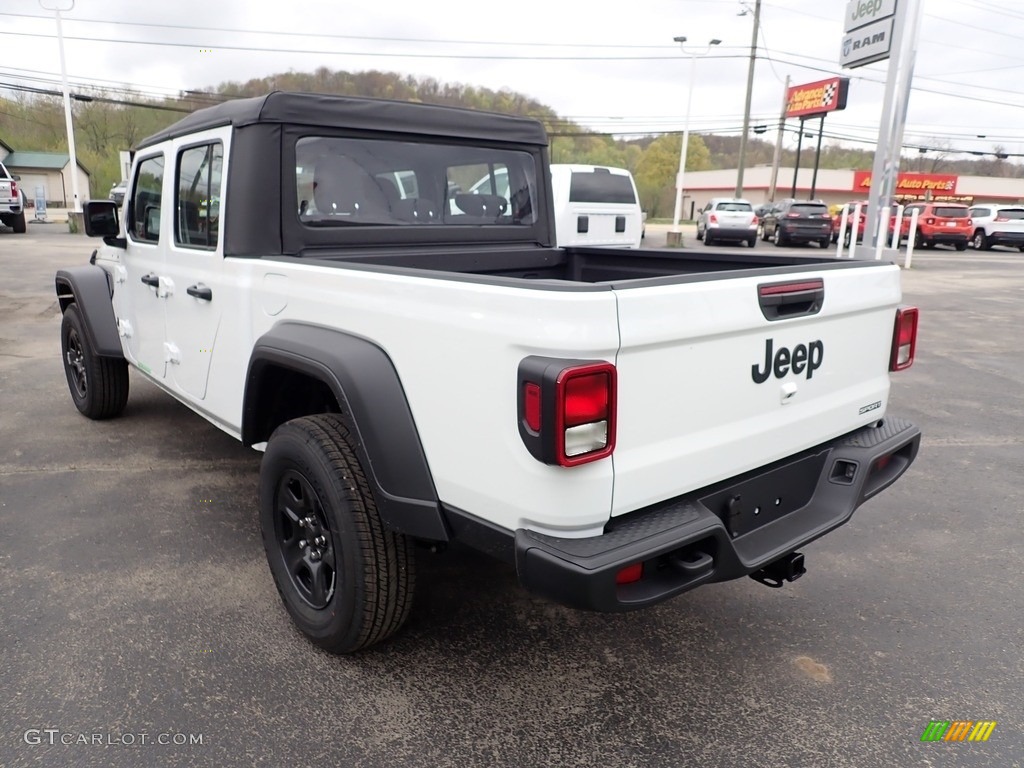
column 421, row 365
column 12, row 202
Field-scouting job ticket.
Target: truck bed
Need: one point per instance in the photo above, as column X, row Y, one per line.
column 572, row 268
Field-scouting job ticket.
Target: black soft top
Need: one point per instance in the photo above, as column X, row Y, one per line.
column 314, row 109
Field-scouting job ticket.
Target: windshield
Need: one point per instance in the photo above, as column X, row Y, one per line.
column 346, row 182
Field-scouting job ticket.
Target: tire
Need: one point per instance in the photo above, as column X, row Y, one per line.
column 825, row 243
column 346, row 580
column 960, row 246
column 19, row 225
column 980, row 241
column 777, row 238
column 919, row 241
column 1020, row 248
column 99, row 385
column 707, row 238
column 764, row 234
column 700, row 235
column 847, row 239
column 752, row 242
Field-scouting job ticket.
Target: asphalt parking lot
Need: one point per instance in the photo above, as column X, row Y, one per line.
column 135, row 598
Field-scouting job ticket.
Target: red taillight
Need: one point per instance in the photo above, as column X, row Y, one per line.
column 904, row 339
column 584, row 414
column 712, row 219
column 531, row 405
column 630, row 573
column 792, row 215
column 567, row 409
column 999, row 218
column 755, row 221
column 14, row 188
column 930, row 221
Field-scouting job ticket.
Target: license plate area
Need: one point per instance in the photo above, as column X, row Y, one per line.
column 753, row 501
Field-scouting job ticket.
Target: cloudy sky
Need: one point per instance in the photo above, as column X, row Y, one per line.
column 610, row 66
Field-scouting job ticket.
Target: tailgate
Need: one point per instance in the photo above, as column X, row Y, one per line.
column 697, row 402
column 5, row 190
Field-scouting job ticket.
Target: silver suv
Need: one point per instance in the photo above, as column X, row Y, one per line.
column 997, row 225
column 727, row 219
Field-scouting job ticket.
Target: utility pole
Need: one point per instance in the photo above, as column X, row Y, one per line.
column 750, row 93
column 777, row 157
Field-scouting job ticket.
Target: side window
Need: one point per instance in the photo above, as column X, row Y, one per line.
column 197, row 198
column 147, row 191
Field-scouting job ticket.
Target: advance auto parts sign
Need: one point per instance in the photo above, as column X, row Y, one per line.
column 817, row 98
column 917, row 185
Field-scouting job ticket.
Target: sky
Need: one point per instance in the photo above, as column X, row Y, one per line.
column 610, row 66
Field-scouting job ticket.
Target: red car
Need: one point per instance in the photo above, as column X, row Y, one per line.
column 939, row 223
column 837, row 220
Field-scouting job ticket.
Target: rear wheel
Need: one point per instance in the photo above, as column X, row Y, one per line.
column 99, row 385
column 700, row 235
column 960, row 246
column 980, row 241
column 778, row 238
column 707, row 237
column 752, row 241
column 345, row 579
column 19, row 225
column 825, row 242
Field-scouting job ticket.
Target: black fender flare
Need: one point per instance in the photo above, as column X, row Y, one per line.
column 369, row 392
column 89, row 287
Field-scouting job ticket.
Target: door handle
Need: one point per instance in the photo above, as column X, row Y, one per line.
column 151, row 279
column 200, row 291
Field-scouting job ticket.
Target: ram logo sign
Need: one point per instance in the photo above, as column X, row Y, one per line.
column 867, row 44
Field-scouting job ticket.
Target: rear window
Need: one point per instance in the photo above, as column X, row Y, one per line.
column 1010, row 213
column 948, row 212
column 805, row 209
column 600, row 187
column 734, row 207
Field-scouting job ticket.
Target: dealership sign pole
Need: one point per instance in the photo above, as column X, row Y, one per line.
column 873, row 31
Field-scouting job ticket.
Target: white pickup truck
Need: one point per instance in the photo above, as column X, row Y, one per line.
column 12, row 202
column 422, row 365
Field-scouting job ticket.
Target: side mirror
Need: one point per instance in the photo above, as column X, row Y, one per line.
column 100, row 218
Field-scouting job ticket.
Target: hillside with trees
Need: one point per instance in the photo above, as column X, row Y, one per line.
column 109, row 121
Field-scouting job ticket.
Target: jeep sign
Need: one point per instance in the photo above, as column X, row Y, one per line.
column 867, row 44
column 860, row 13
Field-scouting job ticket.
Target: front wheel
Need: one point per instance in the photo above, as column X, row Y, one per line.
column 99, row 385
column 345, row 579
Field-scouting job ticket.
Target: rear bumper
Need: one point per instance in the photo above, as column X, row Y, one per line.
column 1006, row 238
column 732, row 233
column 719, row 533
column 942, row 236
column 805, row 234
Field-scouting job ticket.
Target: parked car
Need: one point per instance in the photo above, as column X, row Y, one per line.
column 596, row 206
column 997, row 225
column 117, row 192
column 798, row 221
column 727, row 219
column 939, row 224
column 837, row 220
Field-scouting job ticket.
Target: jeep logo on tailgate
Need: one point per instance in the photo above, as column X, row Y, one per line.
column 802, row 358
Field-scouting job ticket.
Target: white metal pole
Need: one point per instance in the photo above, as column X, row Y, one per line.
column 856, row 228
column 842, row 231
column 896, row 228
column 910, row 237
column 777, row 155
column 77, row 204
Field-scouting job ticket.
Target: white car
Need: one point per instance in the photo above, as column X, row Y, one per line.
column 997, row 225
column 727, row 219
column 596, row 206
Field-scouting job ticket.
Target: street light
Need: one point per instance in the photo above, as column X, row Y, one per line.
column 675, row 235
